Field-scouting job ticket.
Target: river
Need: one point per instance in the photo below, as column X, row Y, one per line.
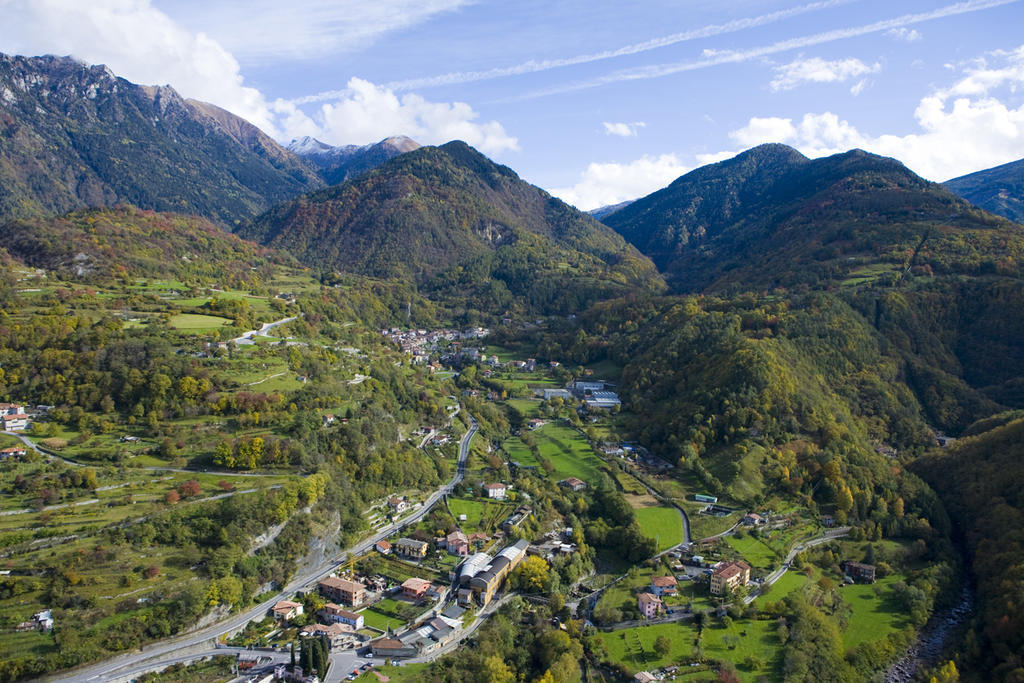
column 933, row 641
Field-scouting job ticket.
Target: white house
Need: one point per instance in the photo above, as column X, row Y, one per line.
column 496, row 491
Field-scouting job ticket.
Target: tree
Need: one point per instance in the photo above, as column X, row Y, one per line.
column 662, row 645
column 947, row 673
column 171, row 497
column 224, row 454
column 229, row 590
column 532, row 575
column 496, row 671
column 189, row 488
column 699, row 619
column 606, row 613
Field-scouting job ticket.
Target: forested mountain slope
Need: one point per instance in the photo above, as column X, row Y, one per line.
column 100, row 245
column 74, row 136
column 458, row 224
column 999, row 189
column 981, row 480
column 770, row 217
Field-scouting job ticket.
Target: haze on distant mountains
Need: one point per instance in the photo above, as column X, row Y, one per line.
column 599, row 102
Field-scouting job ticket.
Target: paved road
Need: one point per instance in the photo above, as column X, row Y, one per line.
column 491, row 607
column 664, row 499
column 155, row 654
column 829, row 535
column 247, row 338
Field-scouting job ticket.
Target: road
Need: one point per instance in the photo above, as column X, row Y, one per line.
column 155, row 654
column 491, row 607
column 830, row 535
column 247, row 338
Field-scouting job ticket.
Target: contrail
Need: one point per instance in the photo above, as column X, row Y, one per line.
column 734, row 56
column 533, row 66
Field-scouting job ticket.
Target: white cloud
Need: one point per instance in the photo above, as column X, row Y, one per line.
column 137, row 41
column 858, row 87
column 817, row 70
column 142, row 44
column 961, row 129
column 602, row 184
column 370, row 112
column 264, row 30
column 759, row 130
column 981, row 78
column 623, row 130
column 909, row 35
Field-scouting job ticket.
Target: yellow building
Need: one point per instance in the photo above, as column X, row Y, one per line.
column 730, row 575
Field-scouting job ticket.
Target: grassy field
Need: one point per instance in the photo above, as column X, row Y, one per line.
column 192, row 322
column 525, row 406
column 874, row 617
column 372, row 617
column 387, row 612
column 568, row 450
column 867, row 274
column 663, row 524
column 635, row 647
column 702, row 526
column 789, row 582
column 406, row 673
column 204, row 671
column 754, row 551
column 629, row 484
column 606, row 370
column 481, row 515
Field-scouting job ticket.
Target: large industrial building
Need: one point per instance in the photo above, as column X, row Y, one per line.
column 480, row 576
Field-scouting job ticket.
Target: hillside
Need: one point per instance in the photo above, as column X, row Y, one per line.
column 457, row 223
column 74, row 136
column 770, row 217
column 999, row 189
column 336, row 164
column 99, row 245
column 980, row 480
column 600, row 212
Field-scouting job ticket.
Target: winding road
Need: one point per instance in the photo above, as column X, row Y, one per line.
column 827, row 536
column 248, row 337
column 168, row 651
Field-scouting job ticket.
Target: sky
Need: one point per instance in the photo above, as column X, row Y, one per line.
column 596, row 101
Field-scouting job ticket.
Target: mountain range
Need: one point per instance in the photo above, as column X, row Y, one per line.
column 771, row 217
column 74, row 136
column 336, row 164
column 999, row 190
column 449, row 218
column 787, row 333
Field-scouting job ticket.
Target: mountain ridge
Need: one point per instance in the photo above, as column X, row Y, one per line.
column 338, row 163
column 78, row 136
column 772, row 217
column 448, row 212
column 999, row 189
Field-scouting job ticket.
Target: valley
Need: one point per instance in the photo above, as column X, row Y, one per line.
column 389, row 410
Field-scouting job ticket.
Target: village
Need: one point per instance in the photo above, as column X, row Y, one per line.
column 417, row 595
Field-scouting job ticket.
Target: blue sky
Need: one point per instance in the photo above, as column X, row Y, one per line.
column 595, row 101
